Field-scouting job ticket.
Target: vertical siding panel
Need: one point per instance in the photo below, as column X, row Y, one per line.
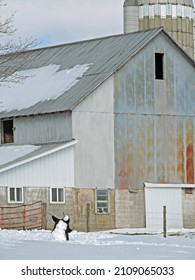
column 170, row 93
column 160, row 97
column 141, row 150
column 130, row 77
column 140, row 88
column 150, row 151
column 189, row 151
column 43, row 129
column 161, row 149
column 180, row 151
column 67, row 166
column 122, row 165
column 149, row 82
column 132, row 159
column 170, row 148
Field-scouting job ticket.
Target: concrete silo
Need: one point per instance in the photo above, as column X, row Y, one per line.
column 177, row 16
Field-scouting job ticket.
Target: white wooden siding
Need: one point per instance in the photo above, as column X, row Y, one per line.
column 53, row 170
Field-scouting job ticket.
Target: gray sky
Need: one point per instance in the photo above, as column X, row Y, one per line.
column 60, row 21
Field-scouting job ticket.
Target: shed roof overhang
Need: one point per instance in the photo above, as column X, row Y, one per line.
column 161, row 186
column 38, row 152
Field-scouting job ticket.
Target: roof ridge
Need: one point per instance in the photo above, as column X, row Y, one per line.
column 80, row 42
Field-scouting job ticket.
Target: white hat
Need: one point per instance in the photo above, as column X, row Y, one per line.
column 66, row 218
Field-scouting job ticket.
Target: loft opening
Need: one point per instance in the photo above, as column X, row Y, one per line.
column 8, row 132
column 159, row 66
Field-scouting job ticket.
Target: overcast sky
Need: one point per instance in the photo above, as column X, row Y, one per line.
column 60, row 21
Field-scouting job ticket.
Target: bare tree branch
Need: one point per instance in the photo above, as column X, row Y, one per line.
column 9, row 50
column 6, row 26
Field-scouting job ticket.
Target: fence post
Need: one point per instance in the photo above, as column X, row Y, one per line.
column 88, row 217
column 24, row 218
column 43, row 214
column 2, row 218
column 164, row 221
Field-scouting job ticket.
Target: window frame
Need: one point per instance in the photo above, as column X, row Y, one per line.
column 15, row 195
column 107, row 201
column 57, row 195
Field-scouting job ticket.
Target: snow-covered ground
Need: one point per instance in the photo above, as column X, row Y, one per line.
column 125, row 244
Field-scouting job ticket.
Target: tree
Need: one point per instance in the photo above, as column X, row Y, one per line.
column 9, row 50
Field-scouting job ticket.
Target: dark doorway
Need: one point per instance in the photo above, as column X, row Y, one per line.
column 8, row 135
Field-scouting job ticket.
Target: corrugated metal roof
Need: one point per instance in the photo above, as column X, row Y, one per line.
column 105, row 56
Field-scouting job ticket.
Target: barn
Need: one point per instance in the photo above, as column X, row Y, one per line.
column 90, row 122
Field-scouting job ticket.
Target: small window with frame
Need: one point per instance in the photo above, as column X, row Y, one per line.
column 15, row 195
column 102, row 201
column 57, row 195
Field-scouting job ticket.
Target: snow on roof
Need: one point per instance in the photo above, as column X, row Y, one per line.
column 10, row 153
column 38, row 85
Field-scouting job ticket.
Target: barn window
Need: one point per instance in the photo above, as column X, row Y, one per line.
column 159, row 72
column 7, row 128
column 102, row 201
column 15, row 195
column 188, row 191
column 57, row 195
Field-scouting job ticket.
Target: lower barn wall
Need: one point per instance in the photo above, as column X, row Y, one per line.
column 127, row 209
column 56, row 209
column 130, row 209
column 84, row 213
column 188, row 203
column 32, row 195
column 79, row 204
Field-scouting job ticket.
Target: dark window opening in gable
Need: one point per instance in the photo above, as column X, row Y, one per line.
column 159, row 75
column 8, row 135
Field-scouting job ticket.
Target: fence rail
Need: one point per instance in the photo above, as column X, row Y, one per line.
column 26, row 216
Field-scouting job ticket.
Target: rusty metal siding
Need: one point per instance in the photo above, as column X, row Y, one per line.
column 154, row 119
column 154, row 148
column 39, row 129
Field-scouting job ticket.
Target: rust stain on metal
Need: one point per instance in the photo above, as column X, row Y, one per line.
column 126, row 163
column 189, row 153
column 122, row 167
column 180, row 153
column 123, row 179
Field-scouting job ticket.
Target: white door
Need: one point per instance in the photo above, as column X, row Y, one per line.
column 156, row 198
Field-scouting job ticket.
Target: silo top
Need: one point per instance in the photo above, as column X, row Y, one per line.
column 188, row 3
column 130, row 3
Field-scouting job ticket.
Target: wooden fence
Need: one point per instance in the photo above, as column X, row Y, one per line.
column 26, row 216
